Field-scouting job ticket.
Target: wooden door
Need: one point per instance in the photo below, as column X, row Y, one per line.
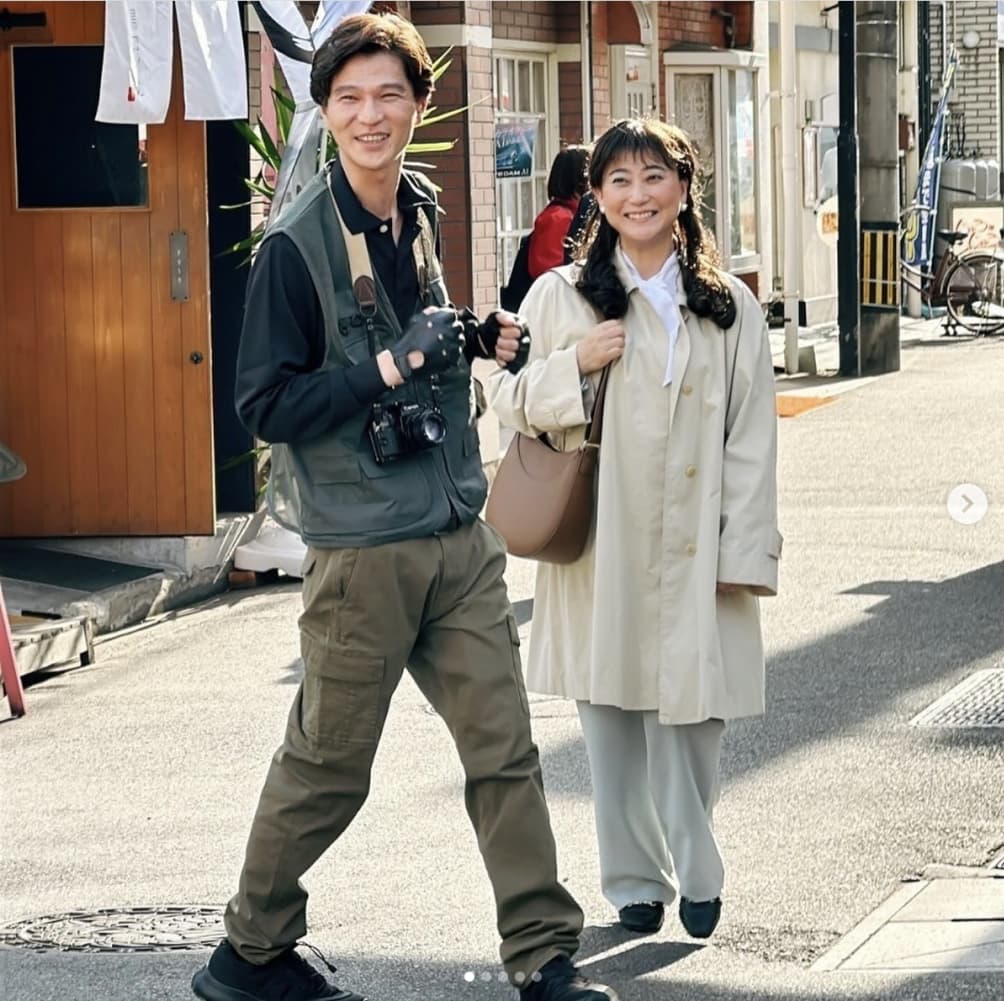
column 104, row 375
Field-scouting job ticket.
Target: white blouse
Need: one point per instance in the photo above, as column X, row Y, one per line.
column 660, row 291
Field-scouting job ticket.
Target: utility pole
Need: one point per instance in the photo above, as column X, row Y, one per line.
column 792, row 213
column 878, row 158
column 848, row 314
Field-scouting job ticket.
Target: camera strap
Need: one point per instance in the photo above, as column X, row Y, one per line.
column 361, row 271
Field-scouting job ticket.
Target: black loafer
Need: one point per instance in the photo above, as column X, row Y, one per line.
column 644, row 917
column 700, row 917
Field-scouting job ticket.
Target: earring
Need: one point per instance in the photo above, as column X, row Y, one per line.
column 603, row 211
column 684, row 206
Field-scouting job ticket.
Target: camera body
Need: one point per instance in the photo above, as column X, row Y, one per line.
column 397, row 430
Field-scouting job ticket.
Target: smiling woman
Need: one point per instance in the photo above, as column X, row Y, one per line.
column 655, row 629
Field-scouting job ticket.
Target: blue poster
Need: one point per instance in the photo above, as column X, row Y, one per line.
column 918, row 231
column 514, row 146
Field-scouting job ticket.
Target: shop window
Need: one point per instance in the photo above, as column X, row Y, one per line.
column 524, row 148
column 64, row 158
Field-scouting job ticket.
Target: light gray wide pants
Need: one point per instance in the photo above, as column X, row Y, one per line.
column 654, row 789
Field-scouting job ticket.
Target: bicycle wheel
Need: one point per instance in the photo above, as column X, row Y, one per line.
column 974, row 293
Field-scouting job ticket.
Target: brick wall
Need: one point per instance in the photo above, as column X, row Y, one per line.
column 682, row 21
column 976, row 94
column 256, row 44
column 465, row 174
column 623, row 23
column 600, row 68
column 528, row 20
column 568, row 22
column 742, row 11
column 480, row 248
column 426, row 12
column 570, row 103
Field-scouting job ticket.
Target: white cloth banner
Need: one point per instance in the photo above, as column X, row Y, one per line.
column 212, row 59
column 136, row 70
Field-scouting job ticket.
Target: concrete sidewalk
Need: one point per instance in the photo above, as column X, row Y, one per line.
column 130, row 784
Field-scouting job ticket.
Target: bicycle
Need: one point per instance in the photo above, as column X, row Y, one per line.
column 969, row 284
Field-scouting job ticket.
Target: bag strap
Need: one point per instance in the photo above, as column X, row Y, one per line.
column 594, row 432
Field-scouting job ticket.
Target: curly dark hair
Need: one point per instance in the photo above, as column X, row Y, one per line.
column 708, row 292
column 364, row 34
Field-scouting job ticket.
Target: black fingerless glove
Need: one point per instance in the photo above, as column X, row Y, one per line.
column 438, row 334
column 483, row 337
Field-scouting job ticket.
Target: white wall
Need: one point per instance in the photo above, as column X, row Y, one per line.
column 817, row 75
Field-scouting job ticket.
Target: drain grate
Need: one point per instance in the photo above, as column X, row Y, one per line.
column 132, row 929
column 976, row 702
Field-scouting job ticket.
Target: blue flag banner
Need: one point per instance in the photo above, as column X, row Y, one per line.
column 918, row 231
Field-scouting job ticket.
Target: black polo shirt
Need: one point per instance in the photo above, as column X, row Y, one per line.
column 282, row 394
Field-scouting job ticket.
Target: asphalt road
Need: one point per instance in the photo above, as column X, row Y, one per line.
column 132, row 782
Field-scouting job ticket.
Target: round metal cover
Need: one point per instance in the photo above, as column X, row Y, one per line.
column 131, row 929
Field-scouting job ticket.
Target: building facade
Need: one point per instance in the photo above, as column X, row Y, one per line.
column 120, row 309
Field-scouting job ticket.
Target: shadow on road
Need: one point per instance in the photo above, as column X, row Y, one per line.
column 917, row 633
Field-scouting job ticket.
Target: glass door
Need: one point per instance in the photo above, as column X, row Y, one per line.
column 717, row 106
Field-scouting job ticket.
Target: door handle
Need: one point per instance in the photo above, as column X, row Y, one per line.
column 195, row 357
column 178, row 251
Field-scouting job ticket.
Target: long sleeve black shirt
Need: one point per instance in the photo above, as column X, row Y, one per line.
column 282, row 392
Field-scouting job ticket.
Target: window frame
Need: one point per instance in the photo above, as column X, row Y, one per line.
column 142, row 136
column 507, row 239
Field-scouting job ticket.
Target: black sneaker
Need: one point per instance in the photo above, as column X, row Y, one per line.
column 289, row 977
column 559, row 980
column 645, row 917
column 700, row 917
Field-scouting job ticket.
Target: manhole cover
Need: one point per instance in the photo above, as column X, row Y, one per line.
column 132, row 929
column 976, row 702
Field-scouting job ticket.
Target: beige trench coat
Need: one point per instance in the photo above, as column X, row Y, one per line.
column 686, row 497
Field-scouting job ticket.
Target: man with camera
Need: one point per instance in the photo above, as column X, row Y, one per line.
column 353, row 360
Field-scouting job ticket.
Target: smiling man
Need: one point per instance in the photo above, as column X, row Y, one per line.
column 355, row 365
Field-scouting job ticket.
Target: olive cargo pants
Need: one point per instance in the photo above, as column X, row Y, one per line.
column 437, row 605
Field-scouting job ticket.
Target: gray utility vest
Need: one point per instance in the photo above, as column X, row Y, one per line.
column 331, row 490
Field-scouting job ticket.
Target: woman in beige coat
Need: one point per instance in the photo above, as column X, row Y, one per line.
column 655, row 630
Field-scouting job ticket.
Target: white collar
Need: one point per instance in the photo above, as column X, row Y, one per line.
column 666, row 275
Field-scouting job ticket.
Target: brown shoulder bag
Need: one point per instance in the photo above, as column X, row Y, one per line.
column 541, row 501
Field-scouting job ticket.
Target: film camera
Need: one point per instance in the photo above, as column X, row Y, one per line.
column 400, row 429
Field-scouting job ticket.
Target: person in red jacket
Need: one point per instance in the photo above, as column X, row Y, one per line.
column 566, row 184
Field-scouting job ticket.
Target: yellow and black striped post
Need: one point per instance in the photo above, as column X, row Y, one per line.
column 880, row 266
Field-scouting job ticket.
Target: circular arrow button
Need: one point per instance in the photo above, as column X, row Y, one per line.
column 967, row 504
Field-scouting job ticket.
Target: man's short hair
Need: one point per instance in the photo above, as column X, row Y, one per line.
column 364, row 34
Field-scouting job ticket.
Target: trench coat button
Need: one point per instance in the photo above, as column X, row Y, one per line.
column 690, row 471
column 686, row 389
column 691, row 549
